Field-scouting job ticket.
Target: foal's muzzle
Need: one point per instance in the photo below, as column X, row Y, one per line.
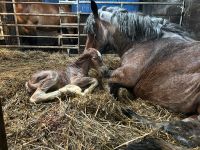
column 105, row 72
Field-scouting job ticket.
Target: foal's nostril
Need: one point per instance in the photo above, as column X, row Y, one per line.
column 105, row 72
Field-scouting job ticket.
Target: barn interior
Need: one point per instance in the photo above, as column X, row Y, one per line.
column 95, row 121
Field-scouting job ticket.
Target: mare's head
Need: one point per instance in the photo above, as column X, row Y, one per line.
column 99, row 30
column 115, row 27
column 119, row 29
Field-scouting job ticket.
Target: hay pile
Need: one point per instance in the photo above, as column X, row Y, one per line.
column 93, row 122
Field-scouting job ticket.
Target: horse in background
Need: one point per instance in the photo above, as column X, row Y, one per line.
column 43, row 8
column 159, row 61
column 70, row 80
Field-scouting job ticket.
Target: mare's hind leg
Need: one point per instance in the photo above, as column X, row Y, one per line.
column 84, row 82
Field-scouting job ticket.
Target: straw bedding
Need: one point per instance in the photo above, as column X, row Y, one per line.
column 92, row 122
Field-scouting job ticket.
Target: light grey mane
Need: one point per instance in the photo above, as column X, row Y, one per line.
column 135, row 26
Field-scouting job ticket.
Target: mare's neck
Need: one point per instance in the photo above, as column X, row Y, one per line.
column 121, row 43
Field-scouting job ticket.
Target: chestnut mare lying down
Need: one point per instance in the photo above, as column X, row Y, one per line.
column 159, row 61
column 70, row 80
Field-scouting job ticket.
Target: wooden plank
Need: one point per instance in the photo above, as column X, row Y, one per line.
column 3, row 140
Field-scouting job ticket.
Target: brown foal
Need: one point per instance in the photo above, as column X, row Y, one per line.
column 70, row 80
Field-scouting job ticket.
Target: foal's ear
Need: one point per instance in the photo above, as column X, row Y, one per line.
column 94, row 9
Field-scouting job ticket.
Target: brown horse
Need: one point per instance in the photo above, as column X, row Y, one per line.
column 70, row 80
column 40, row 9
column 159, row 61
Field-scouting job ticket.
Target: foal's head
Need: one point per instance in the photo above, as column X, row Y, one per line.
column 94, row 57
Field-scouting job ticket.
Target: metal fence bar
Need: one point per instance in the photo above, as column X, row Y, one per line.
column 100, row 2
column 66, row 14
column 16, row 27
column 68, row 2
column 67, row 25
column 72, row 25
column 182, row 12
column 47, row 36
column 44, row 47
column 134, row 3
column 78, row 19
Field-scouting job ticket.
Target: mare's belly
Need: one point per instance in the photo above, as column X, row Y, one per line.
column 173, row 79
column 178, row 92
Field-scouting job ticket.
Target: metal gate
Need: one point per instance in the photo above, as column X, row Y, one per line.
column 13, row 38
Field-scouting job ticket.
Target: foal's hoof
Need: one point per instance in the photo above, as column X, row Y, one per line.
column 28, row 88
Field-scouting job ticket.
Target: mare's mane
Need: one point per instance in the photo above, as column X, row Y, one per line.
column 135, row 26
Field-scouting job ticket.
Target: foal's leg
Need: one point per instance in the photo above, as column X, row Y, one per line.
column 94, row 83
column 41, row 96
column 36, row 81
column 85, row 81
column 122, row 77
column 198, row 111
column 50, row 81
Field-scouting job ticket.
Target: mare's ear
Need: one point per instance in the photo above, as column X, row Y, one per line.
column 94, row 9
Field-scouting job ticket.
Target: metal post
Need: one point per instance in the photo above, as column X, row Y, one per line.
column 3, row 140
column 15, row 17
column 78, row 20
column 9, row 19
column 182, row 12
